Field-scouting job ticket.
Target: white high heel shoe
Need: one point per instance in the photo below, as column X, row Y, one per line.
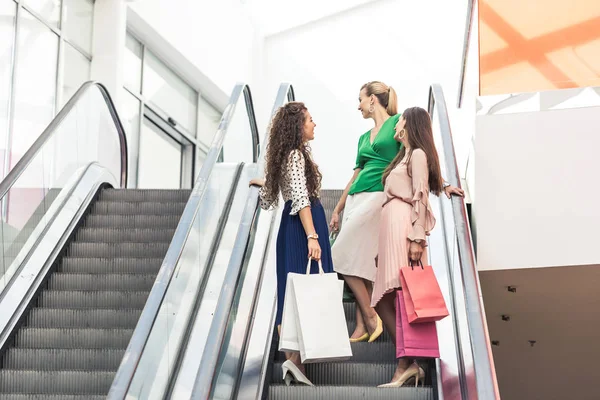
column 291, row 373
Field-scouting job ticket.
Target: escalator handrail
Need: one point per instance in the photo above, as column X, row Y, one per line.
column 14, row 174
column 210, row 357
column 135, row 348
column 487, row 386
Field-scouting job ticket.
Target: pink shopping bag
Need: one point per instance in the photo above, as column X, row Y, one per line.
column 422, row 294
column 414, row 340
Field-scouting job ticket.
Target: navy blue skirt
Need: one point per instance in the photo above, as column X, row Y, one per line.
column 292, row 248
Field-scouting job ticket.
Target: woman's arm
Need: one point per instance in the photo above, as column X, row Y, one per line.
column 301, row 202
column 335, row 216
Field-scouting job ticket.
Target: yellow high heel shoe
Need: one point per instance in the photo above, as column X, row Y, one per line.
column 414, row 371
column 364, row 337
column 378, row 331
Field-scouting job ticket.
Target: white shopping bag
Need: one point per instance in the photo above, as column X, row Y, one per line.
column 321, row 333
column 288, row 335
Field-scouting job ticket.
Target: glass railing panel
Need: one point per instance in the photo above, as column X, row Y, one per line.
column 85, row 131
column 202, row 249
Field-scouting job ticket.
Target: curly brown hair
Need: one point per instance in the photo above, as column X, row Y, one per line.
column 286, row 135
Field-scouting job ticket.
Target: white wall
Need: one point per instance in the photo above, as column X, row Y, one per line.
column 537, row 189
column 404, row 44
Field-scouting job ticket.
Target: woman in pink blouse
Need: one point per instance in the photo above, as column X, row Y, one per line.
column 406, row 220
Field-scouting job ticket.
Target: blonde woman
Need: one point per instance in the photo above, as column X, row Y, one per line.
column 356, row 246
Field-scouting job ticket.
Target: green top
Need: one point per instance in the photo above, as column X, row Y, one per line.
column 373, row 158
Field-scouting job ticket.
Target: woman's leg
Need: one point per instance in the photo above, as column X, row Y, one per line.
column 363, row 303
column 386, row 308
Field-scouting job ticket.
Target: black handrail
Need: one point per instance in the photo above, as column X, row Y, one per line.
column 485, row 374
column 137, row 344
column 39, row 143
column 205, row 376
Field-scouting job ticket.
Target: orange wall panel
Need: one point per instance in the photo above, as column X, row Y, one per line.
column 537, row 45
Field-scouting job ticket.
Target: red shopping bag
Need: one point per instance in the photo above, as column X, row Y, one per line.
column 422, row 294
column 414, row 340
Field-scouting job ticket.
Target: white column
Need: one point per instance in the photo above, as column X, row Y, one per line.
column 110, row 25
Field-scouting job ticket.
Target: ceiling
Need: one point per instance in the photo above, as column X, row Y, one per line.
column 276, row 16
column 559, row 309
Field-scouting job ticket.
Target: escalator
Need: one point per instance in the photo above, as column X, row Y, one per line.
column 238, row 358
column 88, row 264
column 75, row 334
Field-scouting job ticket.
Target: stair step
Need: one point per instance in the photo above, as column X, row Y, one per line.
column 282, row 392
column 63, row 359
column 56, row 382
column 146, row 195
column 111, row 265
column 70, row 338
column 81, row 318
column 117, row 235
column 132, row 221
column 138, row 208
column 112, row 282
column 92, row 299
column 363, row 352
column 344, row 373
column 110, row 250
column 51, row 397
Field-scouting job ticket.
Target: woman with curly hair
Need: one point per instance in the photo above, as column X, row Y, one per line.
column 303, row 232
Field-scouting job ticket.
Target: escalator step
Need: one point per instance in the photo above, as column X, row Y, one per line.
column 63, row 359
column 110, row 250
column 81, row 318
column 145, row 195
column 92, row 299
column 51, row 397
column 70, row 338
column 344, row 373
column 378, row 351
column 113, row 282
column 111, row 265
column 132, row 221
column 137, row 208
column 282, row 392
column 115, row 235
column 56, row 382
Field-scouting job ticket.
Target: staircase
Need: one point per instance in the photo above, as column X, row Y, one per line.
column 75, row 334
column 372, row 364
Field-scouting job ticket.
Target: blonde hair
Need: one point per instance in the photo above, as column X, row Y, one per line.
column 385, row 94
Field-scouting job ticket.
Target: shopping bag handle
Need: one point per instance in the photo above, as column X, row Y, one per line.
column 419, row 263
column 321, row 272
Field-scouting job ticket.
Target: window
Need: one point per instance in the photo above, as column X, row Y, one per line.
column 51, row 41
column 178, row 123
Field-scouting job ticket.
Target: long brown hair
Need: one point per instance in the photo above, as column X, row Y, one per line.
column 420, row 136
column 384, row 93
column 286, row 135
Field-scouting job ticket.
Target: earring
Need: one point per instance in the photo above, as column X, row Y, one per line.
column 371, row 109
column 402, row 134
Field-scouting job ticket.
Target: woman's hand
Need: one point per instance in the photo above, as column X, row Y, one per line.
column 257, row 182
column 314, row 250
column 450, row 190
column 415, row 251
column 334, row 225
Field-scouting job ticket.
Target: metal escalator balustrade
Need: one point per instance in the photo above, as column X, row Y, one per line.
column 158, row 343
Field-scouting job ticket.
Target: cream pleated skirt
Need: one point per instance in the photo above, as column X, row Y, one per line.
column 357, row 244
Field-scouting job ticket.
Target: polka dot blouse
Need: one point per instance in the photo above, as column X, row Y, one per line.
column 293, row 186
